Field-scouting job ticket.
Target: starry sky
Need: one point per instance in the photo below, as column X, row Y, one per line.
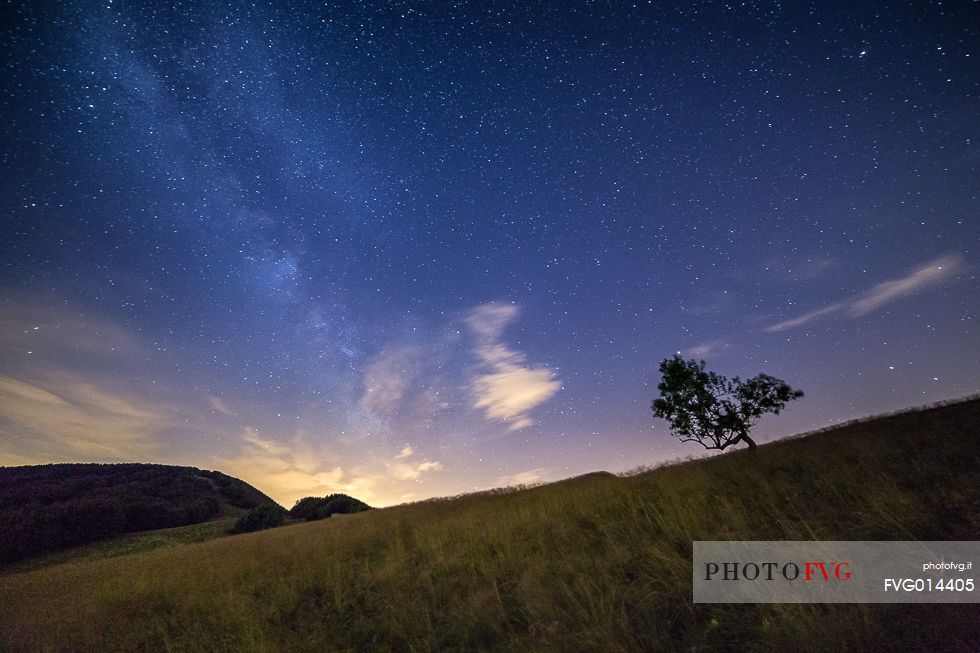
column 407, row 250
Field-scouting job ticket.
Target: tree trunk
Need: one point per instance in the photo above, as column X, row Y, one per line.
column 749, row 441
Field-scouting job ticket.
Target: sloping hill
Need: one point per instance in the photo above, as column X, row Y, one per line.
column 46, row 508
column 597, row 563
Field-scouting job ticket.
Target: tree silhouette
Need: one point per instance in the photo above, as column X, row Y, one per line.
column 259, row 519
column 310, row 508
column 712, row 410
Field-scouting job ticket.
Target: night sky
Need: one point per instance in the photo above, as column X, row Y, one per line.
column 406, row 250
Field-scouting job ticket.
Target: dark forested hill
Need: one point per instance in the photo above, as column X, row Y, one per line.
column 44, row 508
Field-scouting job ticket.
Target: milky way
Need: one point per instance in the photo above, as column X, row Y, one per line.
column 404, row 251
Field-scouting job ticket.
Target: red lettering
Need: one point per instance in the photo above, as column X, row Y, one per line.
column 811, row 567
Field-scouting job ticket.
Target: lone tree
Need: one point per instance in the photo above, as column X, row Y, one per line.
column 712, row 410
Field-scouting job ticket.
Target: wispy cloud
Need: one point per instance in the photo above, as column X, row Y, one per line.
column 704, row 350
column 292, row 469
column 405, row 469
column 511, row 391
column 508, row 388
column 930, row 274
column 72, row 391
column 805, row 318
column 527, row 477
column 488, row 321
column 386, row 379
column 52, row 329
column 219, row 405
column 402, row 381
column 409, row 471
column 67, row 418
column 67, row 393
column 783, row 269
column 297, row 466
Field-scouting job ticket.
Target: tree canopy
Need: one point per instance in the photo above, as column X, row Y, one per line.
column 312, row 508
column 259, row 519
column 46, row 508
column 712, row 410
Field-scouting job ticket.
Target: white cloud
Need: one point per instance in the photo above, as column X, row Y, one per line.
column 527, row 477
column 293, row 468
column 803, row 319
column 874, row 298
column 511, row 390
column 507, row 389
column 403, row 381
column 288, row 471
column 928, row 275
column 489, row 320
column 386, row 380
column 51, row 329
column 66, row 418
column 218, row 405
column 410, row 470
column 704, row 350
column 413, row 470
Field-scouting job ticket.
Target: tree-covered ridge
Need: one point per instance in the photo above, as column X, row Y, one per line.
column 312, row 508
column 45, row 508
column 306, row 509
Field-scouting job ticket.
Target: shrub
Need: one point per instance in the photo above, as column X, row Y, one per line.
column 259, row 519
column 340, row 504
column 306, row 508
column 311, row 508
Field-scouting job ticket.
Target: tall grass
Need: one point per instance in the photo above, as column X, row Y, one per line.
column 598, row 563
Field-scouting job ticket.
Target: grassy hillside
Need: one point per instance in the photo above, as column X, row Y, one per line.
column 45, row 508
column 597, row 563
column 127, row 544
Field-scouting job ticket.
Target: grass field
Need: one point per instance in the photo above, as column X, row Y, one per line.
column 597, row 563
column 127, row 545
